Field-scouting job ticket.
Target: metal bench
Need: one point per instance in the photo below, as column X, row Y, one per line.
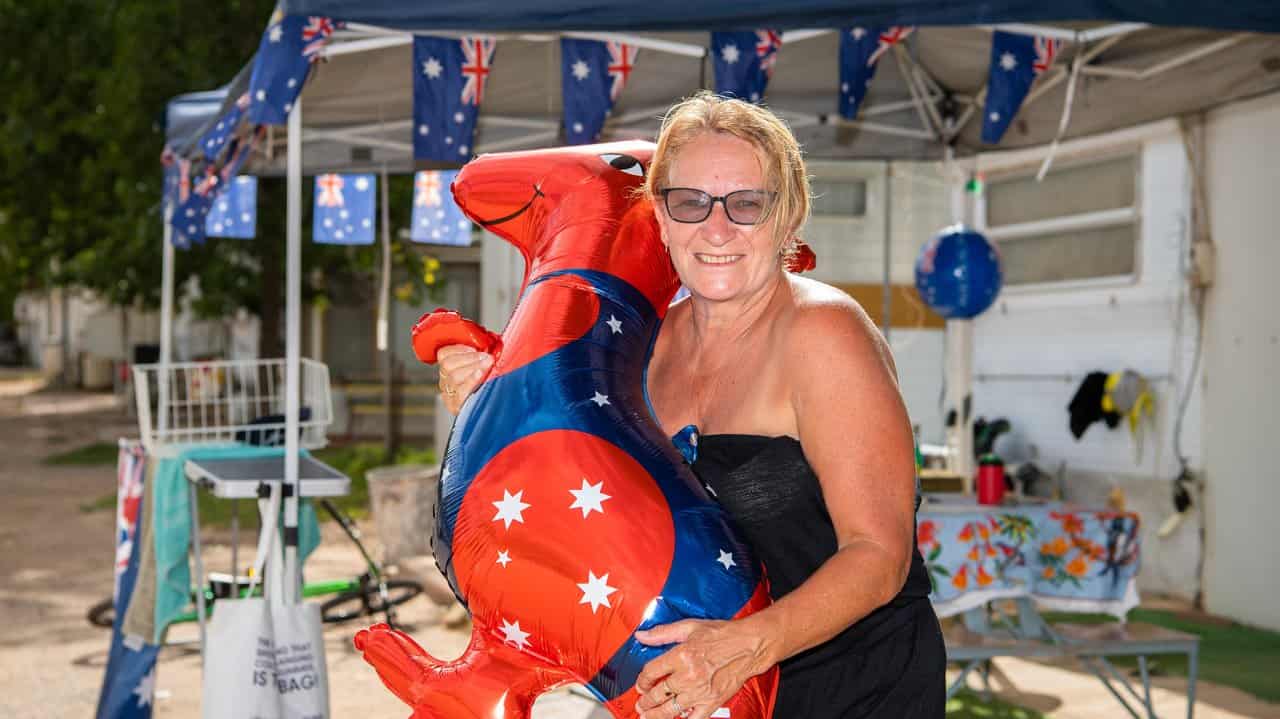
column 975, row 650
column 1093, row 643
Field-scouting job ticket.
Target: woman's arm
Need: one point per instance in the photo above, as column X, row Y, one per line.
column 854, row 429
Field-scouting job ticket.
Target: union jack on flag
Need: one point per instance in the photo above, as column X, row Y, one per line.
column 593, row 73
column 449, row 81
column 315, row 34
column 860, row 51
column 437, row 220
column 1016, row 61
column 744, row 62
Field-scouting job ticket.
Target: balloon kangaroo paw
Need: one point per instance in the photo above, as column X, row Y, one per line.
column 491, row 680
column 442, row 327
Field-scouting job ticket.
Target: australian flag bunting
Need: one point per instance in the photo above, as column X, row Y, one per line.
column 235, row 210
column 744, row 62
column 593, row 73
column 128, row 685
column 437, row 219
column 290, row 44
column 860, row 51
column 215, row 139
column 1016, row 61
column 449, row 80
column 343, row 211
column 193, row 205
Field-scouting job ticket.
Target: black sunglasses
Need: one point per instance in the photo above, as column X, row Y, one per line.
column 744, row 207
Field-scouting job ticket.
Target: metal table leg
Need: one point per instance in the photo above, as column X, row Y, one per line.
column 199, row 562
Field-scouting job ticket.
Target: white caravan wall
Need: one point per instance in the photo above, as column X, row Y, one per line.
column 1145, row 324
column 1242, row 363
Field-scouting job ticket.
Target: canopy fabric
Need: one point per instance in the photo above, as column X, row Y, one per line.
column 187, row 114
column 655, row 15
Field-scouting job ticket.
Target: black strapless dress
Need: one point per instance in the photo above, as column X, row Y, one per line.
column 892, row 663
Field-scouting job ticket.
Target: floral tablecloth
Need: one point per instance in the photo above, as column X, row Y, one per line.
column 1065, row 558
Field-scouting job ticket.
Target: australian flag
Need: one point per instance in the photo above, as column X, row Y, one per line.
column 860, row 51
column 344, row 207
column 436, row 217
column 235, row 210
column 216, row 137
column 194, row 204
column 1016, row 61
column 449, row 81
column 744, row 62
column 290, row 44
column 128, row 686
column 593, row 75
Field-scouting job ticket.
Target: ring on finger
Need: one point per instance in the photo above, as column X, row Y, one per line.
column 675, row 704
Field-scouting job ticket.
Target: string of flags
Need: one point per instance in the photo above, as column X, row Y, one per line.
column 451, row 76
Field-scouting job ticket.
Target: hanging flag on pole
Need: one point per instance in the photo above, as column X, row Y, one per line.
column 343, row 211
column 216, row 137
column 449, row 80
column 128, row 685
column 193, row 207
column 744, row 62
column 437, row 220
column 593, row 73
column 860, row 51
column 289, row 46
column 1016, row 61
column 235, row 210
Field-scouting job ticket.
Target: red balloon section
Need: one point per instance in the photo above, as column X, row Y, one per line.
column 567, row 519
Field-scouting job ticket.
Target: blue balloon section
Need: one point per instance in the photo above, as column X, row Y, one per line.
column 958, row 273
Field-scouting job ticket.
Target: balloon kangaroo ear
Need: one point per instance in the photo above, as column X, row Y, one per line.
column 441, row 327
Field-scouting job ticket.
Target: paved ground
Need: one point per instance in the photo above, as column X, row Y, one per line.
column 55, row 562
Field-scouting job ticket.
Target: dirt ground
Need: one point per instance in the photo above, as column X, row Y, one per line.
column 56, row 558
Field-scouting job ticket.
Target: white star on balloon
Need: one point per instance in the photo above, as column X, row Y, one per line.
column 581, row 70
column 1008, row 61
column 512, row 634
column 146, row 688
column 600, row 399
column 274, row 34
column 504, row 558
column 589, row 498
column 615, row 325
column 729, row 53
column 596, row 591
column 726, row 559
column 858, row 33
column 511, row 508
column 432, row 68
column 577, row 127
column 995, row 117
column 362, row 184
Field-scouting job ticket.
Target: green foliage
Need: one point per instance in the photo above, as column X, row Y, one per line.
column 968, row 705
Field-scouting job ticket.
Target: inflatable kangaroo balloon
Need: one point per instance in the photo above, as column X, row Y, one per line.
column 567, row 518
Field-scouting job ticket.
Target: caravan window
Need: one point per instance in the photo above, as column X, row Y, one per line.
column 1080, row 223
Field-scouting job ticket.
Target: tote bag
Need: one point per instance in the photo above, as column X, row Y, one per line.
column 264, row 657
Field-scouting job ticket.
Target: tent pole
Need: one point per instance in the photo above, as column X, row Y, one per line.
column 293, row 346
column 166, row 322
column 886, row 287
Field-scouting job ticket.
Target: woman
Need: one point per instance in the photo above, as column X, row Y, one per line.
column 803, row 438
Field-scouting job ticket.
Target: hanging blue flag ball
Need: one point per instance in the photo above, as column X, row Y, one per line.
column 958, row 273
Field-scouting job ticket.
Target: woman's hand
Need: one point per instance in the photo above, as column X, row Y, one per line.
column 711, row 662
column 461, row 369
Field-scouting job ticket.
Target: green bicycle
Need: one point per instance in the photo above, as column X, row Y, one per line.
column 369, row 594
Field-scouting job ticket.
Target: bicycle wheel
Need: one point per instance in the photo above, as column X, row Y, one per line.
column 102, row 614
column 368, row 601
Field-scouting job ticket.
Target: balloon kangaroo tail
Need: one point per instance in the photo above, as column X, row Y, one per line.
column 491, row 680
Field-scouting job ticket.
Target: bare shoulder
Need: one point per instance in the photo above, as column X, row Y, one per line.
column 829, row 322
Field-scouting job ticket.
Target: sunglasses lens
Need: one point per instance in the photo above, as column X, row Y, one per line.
column 746, row 207
column 688, row 205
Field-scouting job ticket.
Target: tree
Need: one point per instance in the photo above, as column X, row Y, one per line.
column 85, row 87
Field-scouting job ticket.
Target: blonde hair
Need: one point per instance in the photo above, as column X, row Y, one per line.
column 776, row 146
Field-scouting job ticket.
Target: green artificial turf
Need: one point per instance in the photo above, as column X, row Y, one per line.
column 98, row 453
